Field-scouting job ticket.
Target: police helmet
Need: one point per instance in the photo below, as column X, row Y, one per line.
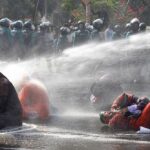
column 5, row 22
column 98, row 23
column 18, row 24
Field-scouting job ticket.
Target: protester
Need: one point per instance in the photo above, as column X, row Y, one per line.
column 127, row 112
column 34, row 99
column 10, row 108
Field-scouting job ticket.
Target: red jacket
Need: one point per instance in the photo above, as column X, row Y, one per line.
column 119, row 121
column 34, row 98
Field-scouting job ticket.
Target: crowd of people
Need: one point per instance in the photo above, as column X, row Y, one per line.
column 23, row 40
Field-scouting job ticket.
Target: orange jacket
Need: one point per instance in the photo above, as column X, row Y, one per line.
column 119, row 121
column 34, row 98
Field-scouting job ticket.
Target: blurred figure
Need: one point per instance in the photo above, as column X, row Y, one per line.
column 10, row 108
column 18, row 39
column 45, row 42
column 142, row 27
column 34, row 99
column 5, row 38
column 127, row 29
column 98, row 25
column 30, row 38
column 62, row 42
column 128, row 112
column 134, row 27
column 82, row 35
column 117, row 32
column 104, row 90
column 109, row 33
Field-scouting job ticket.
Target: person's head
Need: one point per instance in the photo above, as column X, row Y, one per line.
column 44, row 26
column 117, row 28
column 142, row 102
column 5, row 22
column 18, row 25
column 142, row 27
column 105, row 116
column 81, row 25
column 135, row 24
column 98, row 24
column 64, row 31
column 28, row 25
column 127, row 27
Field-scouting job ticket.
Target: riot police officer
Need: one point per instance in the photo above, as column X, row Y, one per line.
column 5, row 38
column 81, row 36
column 62, row 42
column 97, row 25
column 18, row 39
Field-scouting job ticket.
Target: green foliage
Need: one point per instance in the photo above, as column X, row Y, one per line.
column 16, row 9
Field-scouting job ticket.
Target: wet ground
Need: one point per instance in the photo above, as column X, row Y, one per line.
column 74, row 125
column 74, row 133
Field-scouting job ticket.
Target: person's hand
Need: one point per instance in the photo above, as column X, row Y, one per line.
column 132, row 108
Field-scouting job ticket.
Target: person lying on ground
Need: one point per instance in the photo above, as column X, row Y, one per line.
column 127, row 112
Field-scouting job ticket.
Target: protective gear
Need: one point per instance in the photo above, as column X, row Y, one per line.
column 64, row 30
column 5, row 22
column 142, row 26
column 142, row 102
column 44, row 26
column 117, row 32
column 81, row 25
column 135, row 25
column 28, row 25
column 97, row 24
column 117, row 28
column 128, row 26
column 18, row 25
column 81, row 22
column 135, row 20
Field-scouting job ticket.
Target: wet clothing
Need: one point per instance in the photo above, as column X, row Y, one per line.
column 34, row 100
column 129, row 122
column 95, row 36
column 30, row 40
column 62, row 43
column 108, row 34
column 5, row 41
column 123, row 101
column 81, row 37
column 18, row 42
column 10, row 108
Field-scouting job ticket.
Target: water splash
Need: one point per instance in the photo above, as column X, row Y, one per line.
column 69, row 76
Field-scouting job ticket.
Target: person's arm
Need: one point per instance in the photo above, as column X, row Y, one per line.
column 123, row 101
column 119, row 122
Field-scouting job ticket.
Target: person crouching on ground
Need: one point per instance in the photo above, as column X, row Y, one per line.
column 34, row 99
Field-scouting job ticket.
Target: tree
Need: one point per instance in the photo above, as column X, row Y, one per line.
column 20, row 9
